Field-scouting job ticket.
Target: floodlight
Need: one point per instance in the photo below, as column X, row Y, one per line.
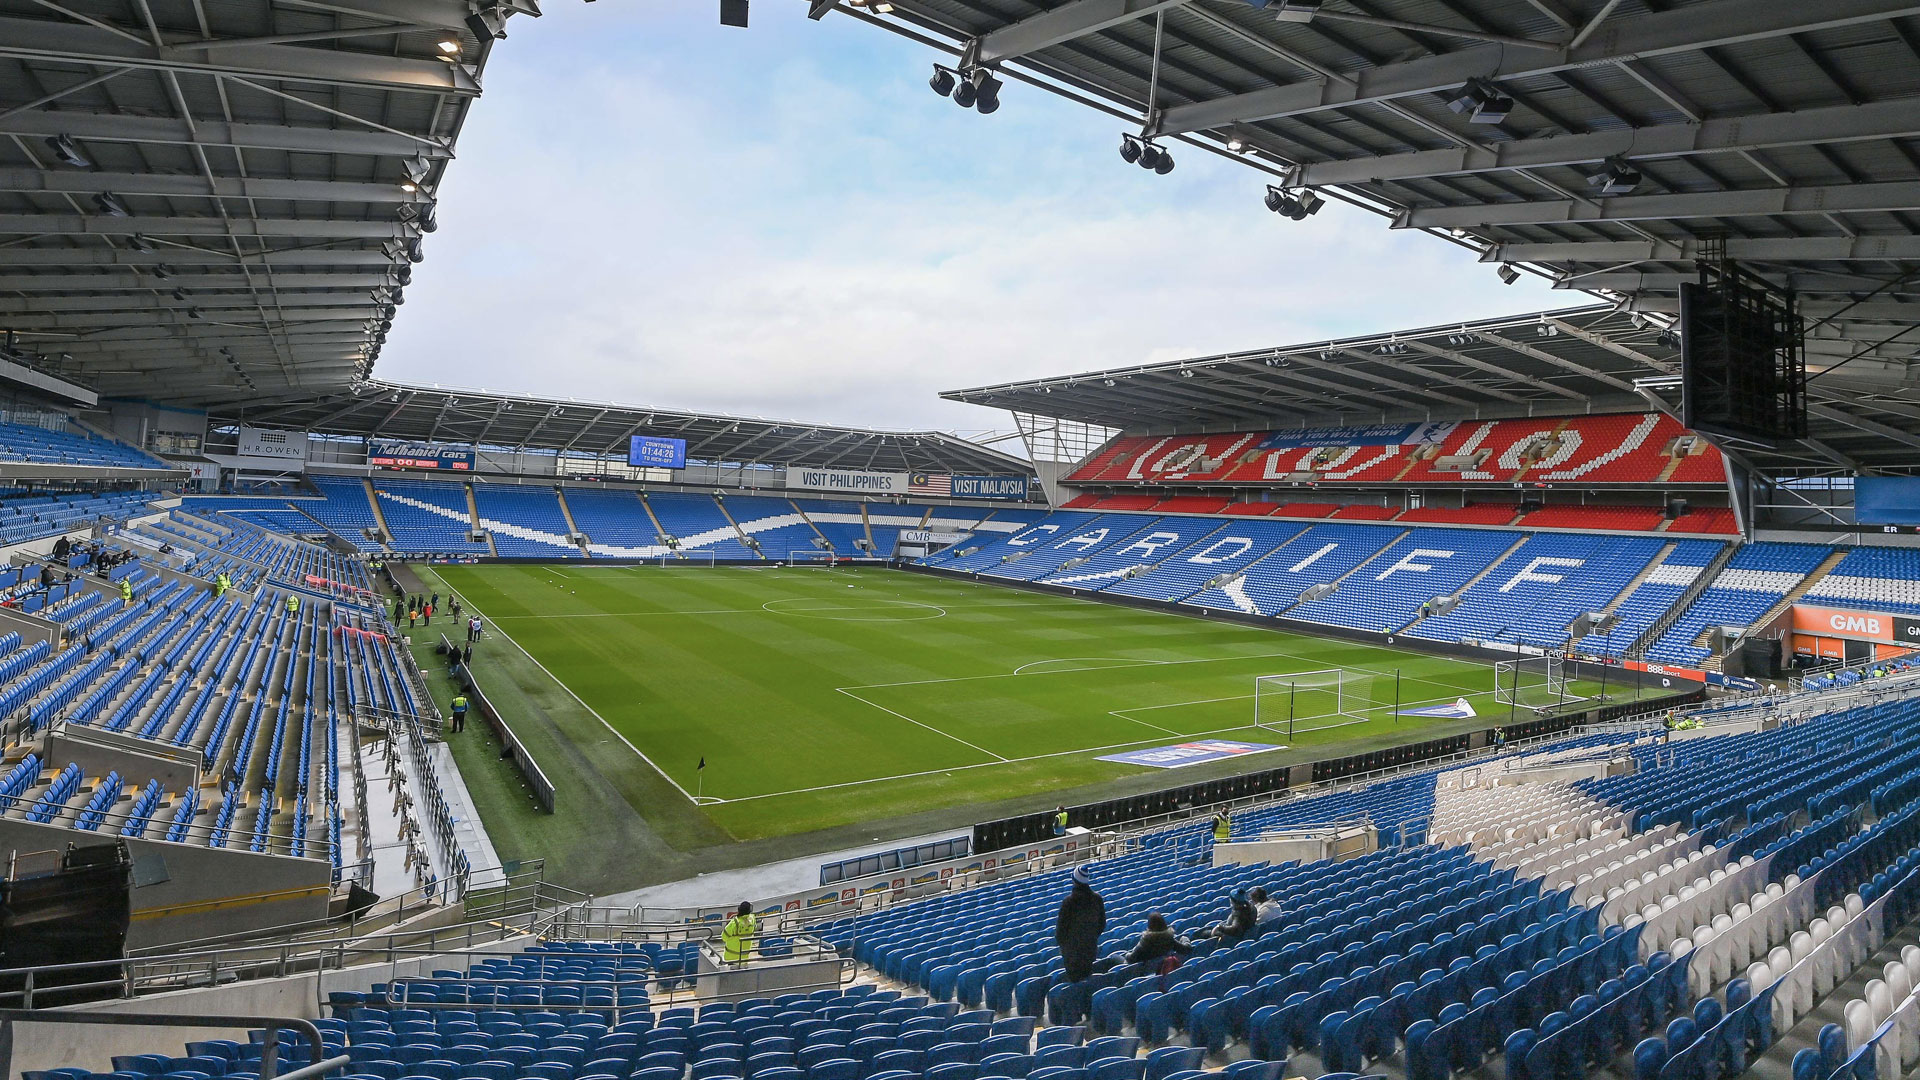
column 1129, row 149
column 448, row 46
column 986, row 91
column 1616, row 176
column 1508, row 275
column 964, row 93
column 109, row 203
column 942, row 81
column 68, row 151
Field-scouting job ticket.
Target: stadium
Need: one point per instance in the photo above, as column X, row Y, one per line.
column 1528, row 695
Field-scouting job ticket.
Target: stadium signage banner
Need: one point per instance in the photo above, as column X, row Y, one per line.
column 406, row 455
column 917, row 536
column 1376, row 435
column 1858, row 625
column 272, row 443
column 990, row 487
column 850, row 481
column 652, row 452
column 1189, row 753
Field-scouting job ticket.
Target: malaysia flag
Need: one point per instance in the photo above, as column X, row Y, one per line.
column 930, row 484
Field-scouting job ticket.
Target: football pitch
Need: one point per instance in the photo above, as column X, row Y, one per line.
column 819, row 697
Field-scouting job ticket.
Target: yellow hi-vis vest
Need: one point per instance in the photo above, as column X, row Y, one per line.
column 293, row 605
column 736, row 938
column 1222, row 828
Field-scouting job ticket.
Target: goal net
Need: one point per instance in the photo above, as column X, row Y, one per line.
column 687, row 558
column 806, row 556
column 1533, row 682
column 1306, row 701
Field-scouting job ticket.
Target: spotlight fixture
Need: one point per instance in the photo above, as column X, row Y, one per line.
column 112, row 204
column 404, row 275
column 1135, row 150
column 416, row 252
column 68, row 151
column 139, row 243
column 963, row 93
column 1297, row 205
column 430, row 217
column 181, row 294
column 1508, row 275
column 193, row 313
column 418, row 168
column 161, row 271
column 1296, row 11
column 986, row 90
column 1616, row 176
column 448, row 46
column 1480, row 101
column 409, row 186
column 1238, row 145
column 1186, row 373
column 942, row 81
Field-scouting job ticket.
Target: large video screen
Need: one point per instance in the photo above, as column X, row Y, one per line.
column 1886, row 500
column 651, row 452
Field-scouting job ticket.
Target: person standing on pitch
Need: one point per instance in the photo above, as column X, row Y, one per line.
column 459, row 712
column 736, row 938
column 1077, row 929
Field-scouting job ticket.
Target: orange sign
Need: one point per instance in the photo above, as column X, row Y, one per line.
column 1856, row 625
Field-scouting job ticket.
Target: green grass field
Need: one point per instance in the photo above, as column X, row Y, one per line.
column 822, row 698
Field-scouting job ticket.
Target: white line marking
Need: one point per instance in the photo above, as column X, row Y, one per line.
column 917, row 723
column 629, row 614
column 851, row 614
column 1130, row 661
column 561, row 683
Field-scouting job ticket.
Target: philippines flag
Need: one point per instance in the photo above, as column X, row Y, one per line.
column 930, row 484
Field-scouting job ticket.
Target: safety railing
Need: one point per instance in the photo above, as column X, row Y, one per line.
column 317, row 1064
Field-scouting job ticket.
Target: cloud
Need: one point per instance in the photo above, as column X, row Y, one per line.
column 786, row 222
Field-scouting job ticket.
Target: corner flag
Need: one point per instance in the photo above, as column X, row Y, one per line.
column 703, row 763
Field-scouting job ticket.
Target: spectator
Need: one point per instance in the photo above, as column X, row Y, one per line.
column 1239, row 921
column 466, row 654
column 736, row 938
column 1157, row 944
column 459, row 712
column 1264, row 907
column 1077, row 929
column 454, row 603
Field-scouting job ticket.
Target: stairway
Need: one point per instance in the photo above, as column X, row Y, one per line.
column 1672, row 615
column 749, row 542
column 386, row 533
column 1806, row 583
column 1364, row 563
column 1461, row 593
column 1639, row 579
column 573, row 527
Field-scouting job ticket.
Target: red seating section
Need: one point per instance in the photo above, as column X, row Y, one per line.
column 1305, row 510
column 1630, row 518
column 1127, row 502
column 1705, row 521
column 1470, row 514
column 1191, row 504
column 1363, row 512
column 1080, row 502
column 1620, row 448
column 1251, row 509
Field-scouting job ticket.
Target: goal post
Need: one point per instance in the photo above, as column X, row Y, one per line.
column 1533, row 682
column 691, row 558
column 1307, row 701
column 810, row 556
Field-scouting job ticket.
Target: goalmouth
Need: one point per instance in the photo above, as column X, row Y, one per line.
column 1534, row 682
column 810, row 557
column 1307, row 701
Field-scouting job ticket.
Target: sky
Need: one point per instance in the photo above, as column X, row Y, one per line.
column 786, row 222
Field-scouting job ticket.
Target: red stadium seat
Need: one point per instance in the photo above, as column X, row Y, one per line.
column 1470, row 514
column 1630, row 518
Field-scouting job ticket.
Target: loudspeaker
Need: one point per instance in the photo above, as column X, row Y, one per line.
column 1678, row 508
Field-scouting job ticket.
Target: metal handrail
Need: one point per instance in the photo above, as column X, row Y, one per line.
column 269, row 1047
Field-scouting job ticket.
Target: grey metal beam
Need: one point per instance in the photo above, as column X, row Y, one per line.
column 1560, row 362
column 207, row 302
column 1761, row 202
column 1075, row 19
column 44, row 284
column 1691, row 28
column 108, row 225
column 78, row 182
column 1871, row 427
column 94, row 256
column 1494, row 369
column 47, row 40
column 1353, row 370
column 1670, row 280
column 1628, row 352
column 1772, row 249
column 128, row 128
column 1899, row 119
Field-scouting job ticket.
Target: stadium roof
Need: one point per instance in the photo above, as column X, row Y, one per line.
column 1790, row 129
column 489, row 418
column 215, row 200
column 1588, row 359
